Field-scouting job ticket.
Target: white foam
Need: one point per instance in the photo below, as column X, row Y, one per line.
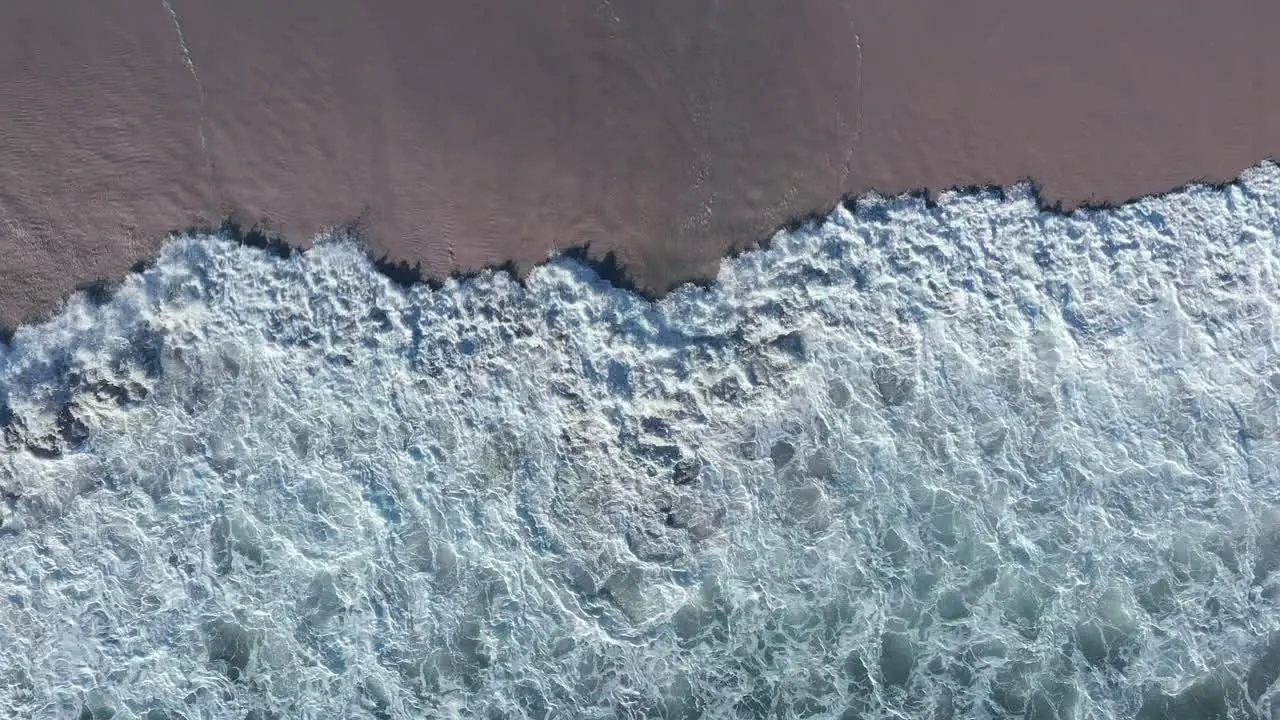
column 923, row 461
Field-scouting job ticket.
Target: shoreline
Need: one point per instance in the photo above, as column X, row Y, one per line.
column 609, row 269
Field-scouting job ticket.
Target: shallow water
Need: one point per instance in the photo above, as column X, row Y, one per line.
column 963, row 460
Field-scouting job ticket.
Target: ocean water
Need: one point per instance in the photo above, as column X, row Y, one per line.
column 965, row 460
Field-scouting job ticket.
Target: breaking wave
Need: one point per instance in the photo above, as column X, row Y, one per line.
column 963, row 459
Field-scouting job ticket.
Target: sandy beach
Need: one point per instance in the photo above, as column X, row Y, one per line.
column 459, row 135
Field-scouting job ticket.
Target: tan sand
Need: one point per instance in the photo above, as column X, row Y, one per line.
column 471, row 133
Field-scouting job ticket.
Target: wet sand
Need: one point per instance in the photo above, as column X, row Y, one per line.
column 464, row 134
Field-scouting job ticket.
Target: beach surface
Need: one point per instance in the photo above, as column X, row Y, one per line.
column 460, row 135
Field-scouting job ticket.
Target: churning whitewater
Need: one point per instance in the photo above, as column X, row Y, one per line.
column 965, row 460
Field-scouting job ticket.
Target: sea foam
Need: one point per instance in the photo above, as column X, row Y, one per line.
column 963, row 459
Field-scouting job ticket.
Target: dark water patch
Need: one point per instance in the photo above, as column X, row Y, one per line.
column 1266, row 669
column 402, row 272
column 609, row 268
column 805, row 221
column 230, row 648
column 894, row 385
column 666, row 454
column 897, row 658
column 96, row 712
column 686, row 471
column 259, row 235
column 729, row 390
column 71, row 430
column 384, row 502
column 7, row 418
column 655, row 426
column 781, row 453
column 98, row 291
column 792, row 343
